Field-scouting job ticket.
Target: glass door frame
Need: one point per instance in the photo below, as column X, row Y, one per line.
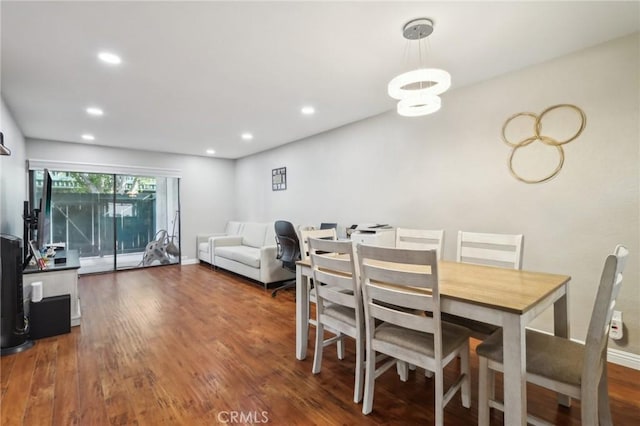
column 113, row 201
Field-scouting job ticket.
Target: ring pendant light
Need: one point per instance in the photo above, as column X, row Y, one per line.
column 417, row 90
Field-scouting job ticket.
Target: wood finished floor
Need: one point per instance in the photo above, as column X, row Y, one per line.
column 184, row 345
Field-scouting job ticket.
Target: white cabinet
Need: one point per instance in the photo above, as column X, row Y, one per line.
column 56, row 280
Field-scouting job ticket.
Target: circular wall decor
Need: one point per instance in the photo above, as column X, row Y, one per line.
column 545, row 139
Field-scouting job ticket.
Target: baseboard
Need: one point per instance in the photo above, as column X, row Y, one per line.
column 614, row 356
column 189, row 262
column 626, row 359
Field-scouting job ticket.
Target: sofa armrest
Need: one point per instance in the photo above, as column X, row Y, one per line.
column 268, row 255
column 271, row 269
column 228, row 240
column 203, row 238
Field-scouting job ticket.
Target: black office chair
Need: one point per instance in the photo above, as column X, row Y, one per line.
column 288, row 250
column 327, row 225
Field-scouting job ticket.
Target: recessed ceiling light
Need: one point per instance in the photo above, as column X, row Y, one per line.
column 109, row 58
column 308, row 110
column 211, row 151
column 95, row 111
column 246, row 136
column 88, row 137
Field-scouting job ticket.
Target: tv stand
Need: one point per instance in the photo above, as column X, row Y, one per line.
column 57, row 279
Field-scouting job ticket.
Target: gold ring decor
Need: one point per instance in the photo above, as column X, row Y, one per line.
column 583, row 122
column 513, row 117
column 544, row 179
column 538, row 136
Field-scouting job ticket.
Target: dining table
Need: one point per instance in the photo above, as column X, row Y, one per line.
column 508, row 298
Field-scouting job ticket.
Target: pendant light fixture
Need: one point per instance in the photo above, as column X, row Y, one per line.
column 417, row 91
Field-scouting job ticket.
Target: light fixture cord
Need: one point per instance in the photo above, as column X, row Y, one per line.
column 421, row 64
column 407, row 53
column 423, row 44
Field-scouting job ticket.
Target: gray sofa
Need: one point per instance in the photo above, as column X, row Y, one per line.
column 246, row 248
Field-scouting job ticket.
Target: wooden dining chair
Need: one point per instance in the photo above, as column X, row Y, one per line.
column 502, row 250
column 305, row 234
column 559, row 364
column 325, row 234
column 398, row 287
column 420, row 239
column 338, row 301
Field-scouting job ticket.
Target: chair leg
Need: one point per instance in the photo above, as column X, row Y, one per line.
column 369, row 381
column 439, row 403
column 484, row 391
column 317, row 354
column 359, row 383
column 589, row 408
column 589, row 404
column 466, row 381
column 604, row 410
column 340, row 349
column 403, row 370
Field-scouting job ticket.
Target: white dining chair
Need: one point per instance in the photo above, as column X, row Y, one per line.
column 420, row 239
column 339, row 301
column 398, row 287
column 559, row 364
column 326, row 234
column 502, row 250
column 305, row 234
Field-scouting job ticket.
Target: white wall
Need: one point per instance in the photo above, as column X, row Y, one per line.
column 448, row 171
column 13, row 186
column 206, row 189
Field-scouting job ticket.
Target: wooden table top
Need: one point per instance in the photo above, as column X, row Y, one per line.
column 509, row 290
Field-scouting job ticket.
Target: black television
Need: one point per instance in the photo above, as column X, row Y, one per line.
column 44, row 215
column 37, row 220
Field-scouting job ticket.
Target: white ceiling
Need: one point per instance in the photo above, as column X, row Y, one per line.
column 195, row 75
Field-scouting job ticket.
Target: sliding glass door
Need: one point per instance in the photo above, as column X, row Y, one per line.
column 145, row 215
column 114, row 221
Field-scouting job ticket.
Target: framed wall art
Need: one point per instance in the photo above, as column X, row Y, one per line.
column 279, row 179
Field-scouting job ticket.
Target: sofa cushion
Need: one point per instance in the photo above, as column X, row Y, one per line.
column 233, row 228
column 246, row 255
column 253, row 234
column 250, row 256
column 203, row 247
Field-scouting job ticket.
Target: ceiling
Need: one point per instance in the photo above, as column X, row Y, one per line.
column 196, row 75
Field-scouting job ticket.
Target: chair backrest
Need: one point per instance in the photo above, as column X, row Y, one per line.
column 333, row 264
column 490, row 249
column 420, row 239
column 394, row 279
column 305, row 234
column 598, row 333
column 288, row 244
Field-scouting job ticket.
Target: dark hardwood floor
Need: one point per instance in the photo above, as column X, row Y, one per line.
column 187, row 345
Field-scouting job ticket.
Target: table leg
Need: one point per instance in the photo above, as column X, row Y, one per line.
column 561, row 329
column 515, row 367
column 302, row 314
